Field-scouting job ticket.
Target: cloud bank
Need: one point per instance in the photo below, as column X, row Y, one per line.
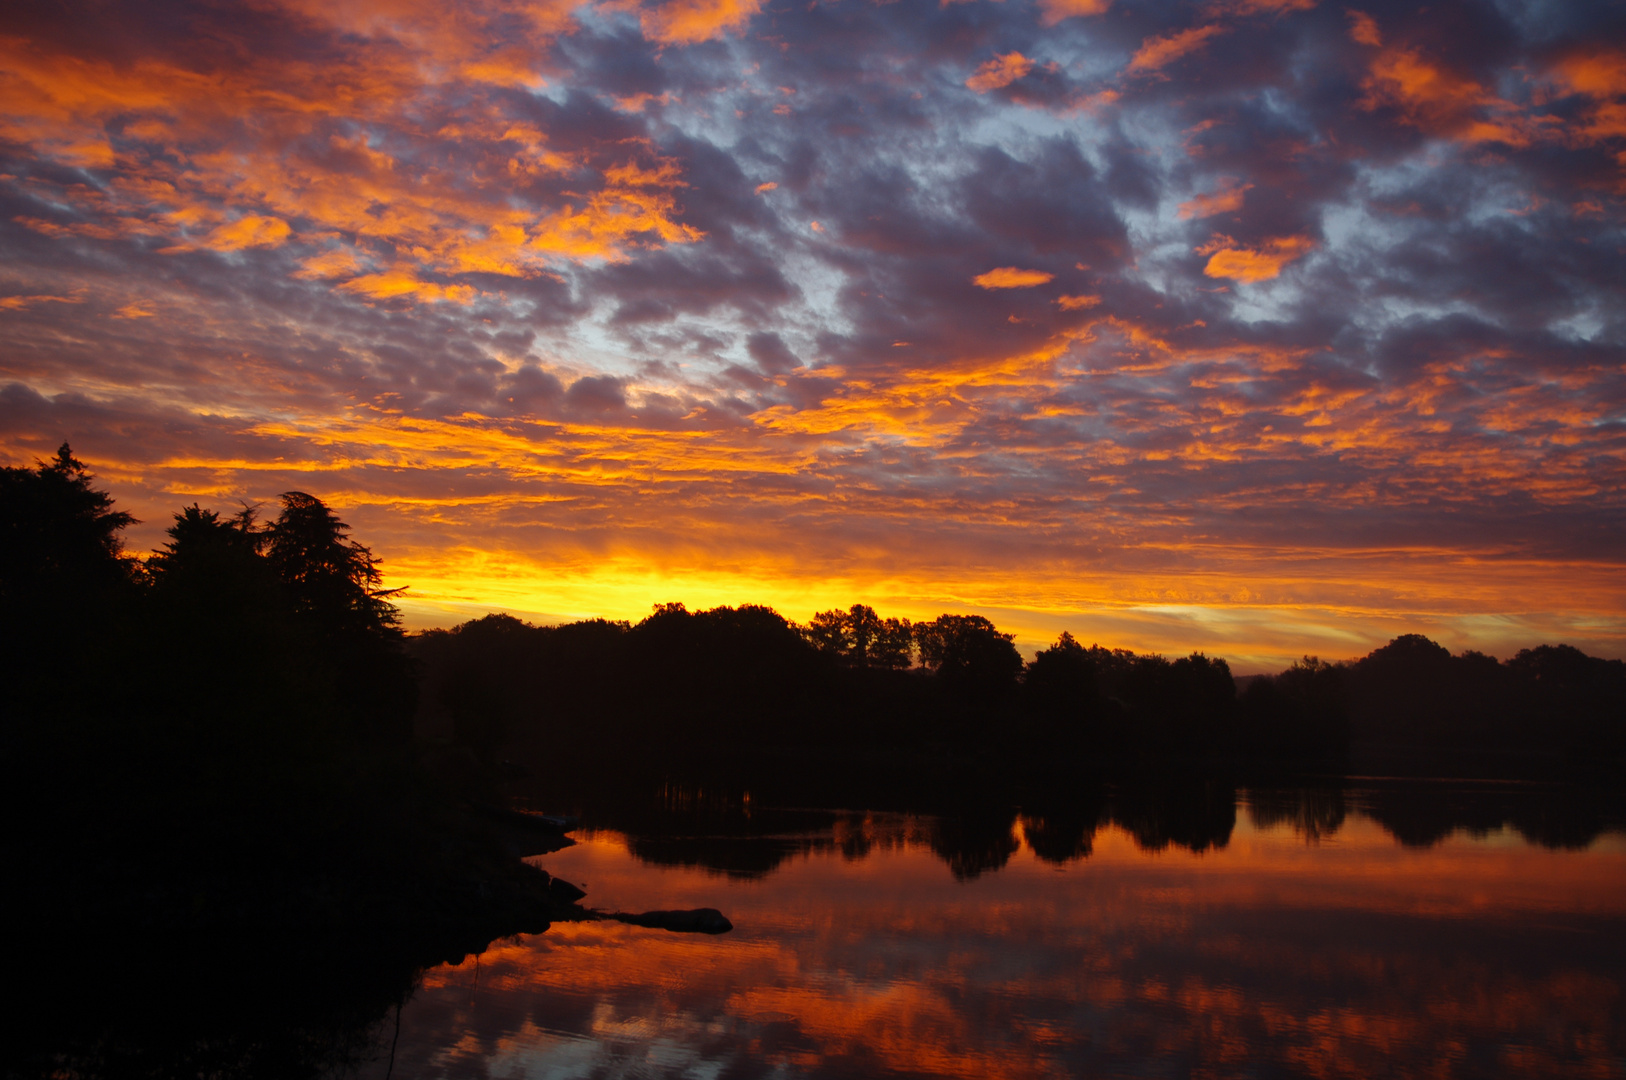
column 1256, row 327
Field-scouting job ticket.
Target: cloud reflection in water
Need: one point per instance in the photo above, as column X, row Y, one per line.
column 1265, row 955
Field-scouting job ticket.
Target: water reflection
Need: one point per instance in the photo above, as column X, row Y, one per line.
column 1126, row 937
column 1314, row 813
column 1420, row 815
column 736, row 831
column 1257, row 955
column 1092, row 928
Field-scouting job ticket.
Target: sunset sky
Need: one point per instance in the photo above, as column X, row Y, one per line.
column 1261, row 327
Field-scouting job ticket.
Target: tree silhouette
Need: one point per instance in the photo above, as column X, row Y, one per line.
column 1060, row 698
column 220, row 620
column 335, row 594
column 862, row 638
column 729, row 676
column 1577, row 701
column 213, row 569
column 201, row 541
column 58, row 535
column 969, row 654
column 66, row 589
column 482, row 681
column 216, row 741
column 1061, row 827
column 333, row 582
column 827, row 630
column 893, row 644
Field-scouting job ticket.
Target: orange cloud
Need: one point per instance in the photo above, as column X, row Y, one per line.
column 252, row 230
column 633, row 203
column 297, row 172
column 634, row 103
column 1430, row 96
column 1256, row 264
column 92, row 154
column 687, row 22
column 1363, row 30
column 1225, row 200
column 20, row 303
column 1088, row 103
column 999, row 72
column 1436, row 100
column 497, row 41
column 115, row 229
column 1057, row 10
column 1600, row 76
column 334, row 263
column 398, row 174
column 1010, row 277
column 1157, row 52
column 402, row 282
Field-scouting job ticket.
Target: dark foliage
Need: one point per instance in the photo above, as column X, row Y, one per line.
column 219, row 739
column 721, row 677
column 742, row 680
column 1303, row 713
column 1552, row 701
column 679, row 681
column 59, row 537
column 66, row 589
column 970, row 657
column 860, row 637
column 335, row 597
column 1078, row 700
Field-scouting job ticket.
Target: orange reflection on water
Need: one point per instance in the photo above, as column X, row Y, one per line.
column 1346, row 958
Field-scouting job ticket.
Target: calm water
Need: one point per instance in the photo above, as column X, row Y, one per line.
column 1282, row 934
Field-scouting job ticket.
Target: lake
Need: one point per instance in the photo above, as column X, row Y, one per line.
column 1366, row 928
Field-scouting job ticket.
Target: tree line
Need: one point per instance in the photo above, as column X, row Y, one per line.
column 701, row 683
column 278, row 635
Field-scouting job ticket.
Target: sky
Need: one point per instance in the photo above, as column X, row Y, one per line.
column 1257, row 327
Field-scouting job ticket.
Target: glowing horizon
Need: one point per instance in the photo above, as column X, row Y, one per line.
column 1258, row 329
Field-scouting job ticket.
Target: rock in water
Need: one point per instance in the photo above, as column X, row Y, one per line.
column 699, row 921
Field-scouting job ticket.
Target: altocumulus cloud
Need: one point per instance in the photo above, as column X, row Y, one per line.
column 1262, row 327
